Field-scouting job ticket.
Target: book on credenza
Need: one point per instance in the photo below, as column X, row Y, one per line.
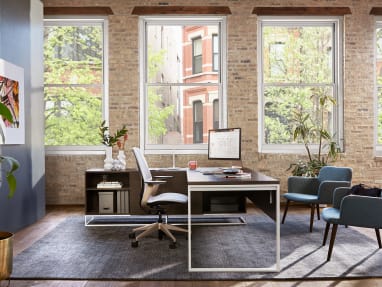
column 109, row 185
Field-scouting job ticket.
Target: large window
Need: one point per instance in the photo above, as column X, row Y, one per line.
column 180, row 82
column 300, row 64
column 75, row 83
column 378, row 74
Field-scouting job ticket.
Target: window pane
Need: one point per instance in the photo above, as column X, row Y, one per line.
column 171, row 116
column 198, row 121
column 72, row 116
column 215, row 52
column 379, row 56
column 283, row 105
column 379, row 140
column 298, row 54
column 171, row 55
column 73, row 54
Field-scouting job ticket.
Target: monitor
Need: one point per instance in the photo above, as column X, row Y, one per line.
column 224, row 143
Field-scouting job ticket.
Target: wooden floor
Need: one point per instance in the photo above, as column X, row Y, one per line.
column 26, row 237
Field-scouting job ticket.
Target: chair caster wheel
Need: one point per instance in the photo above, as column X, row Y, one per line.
column 132, row 235
column 172, row 245
column 134, row 244
column 160, row 234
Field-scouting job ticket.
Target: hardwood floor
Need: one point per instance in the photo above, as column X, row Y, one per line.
column 26, row 237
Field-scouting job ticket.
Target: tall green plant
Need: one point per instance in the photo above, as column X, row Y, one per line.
column 11, row 164
column 310, row 129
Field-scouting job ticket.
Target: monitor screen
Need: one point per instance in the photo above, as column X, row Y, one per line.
column 224, row 143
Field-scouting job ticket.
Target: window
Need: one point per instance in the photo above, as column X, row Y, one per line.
column 378, row 66
column 75, row 81
column 178, row 84
column 299, row 65
column 198, row 121
column 197, row 65
column 215, row 107
column 215, row 53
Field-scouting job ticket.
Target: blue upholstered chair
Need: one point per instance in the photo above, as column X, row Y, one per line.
column 316, row 190
column 352, row 210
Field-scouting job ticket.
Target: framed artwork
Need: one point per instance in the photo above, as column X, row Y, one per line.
column 12, row 96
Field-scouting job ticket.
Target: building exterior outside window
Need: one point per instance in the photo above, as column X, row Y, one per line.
column 180, row 85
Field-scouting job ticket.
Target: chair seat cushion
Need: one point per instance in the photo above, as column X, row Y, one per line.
column 300, row 197
column 167, row 197
column 331, row 215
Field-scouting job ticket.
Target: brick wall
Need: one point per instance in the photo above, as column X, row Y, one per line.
column 65, row 174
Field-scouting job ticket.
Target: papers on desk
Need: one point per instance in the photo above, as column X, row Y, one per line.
column 237, row 175
column 225, row 172
column 109, row 185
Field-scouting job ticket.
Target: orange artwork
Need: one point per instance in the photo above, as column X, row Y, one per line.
column 9, row 95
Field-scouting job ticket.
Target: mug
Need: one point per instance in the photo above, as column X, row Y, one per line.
column 192, row 164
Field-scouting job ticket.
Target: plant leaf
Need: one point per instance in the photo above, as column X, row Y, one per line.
column 5, row 112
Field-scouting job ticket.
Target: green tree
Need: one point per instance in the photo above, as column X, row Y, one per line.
column 73, row 80
column 293, row 56
column 157, row 112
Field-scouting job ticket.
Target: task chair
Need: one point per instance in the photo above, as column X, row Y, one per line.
column 151, row 201
column 316, row 190
column 352, row 210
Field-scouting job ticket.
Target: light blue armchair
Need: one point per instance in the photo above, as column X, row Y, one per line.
column 352, row 210
column 316, row 190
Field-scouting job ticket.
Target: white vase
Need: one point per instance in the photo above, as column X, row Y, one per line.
column 122, row 159
column 108, row 162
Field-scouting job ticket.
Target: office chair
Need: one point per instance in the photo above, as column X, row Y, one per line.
column 153, row 202
column 352, row 210
column 316, row 190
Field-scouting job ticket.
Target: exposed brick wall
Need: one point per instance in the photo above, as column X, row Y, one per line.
column 65, row 174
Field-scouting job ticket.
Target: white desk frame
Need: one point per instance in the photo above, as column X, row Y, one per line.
column 238, row 187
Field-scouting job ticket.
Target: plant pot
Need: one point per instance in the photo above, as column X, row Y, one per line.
column 6, row 254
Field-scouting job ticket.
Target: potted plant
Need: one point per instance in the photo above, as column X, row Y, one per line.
column 311, row 131
column 109, row 141
column 9, row 165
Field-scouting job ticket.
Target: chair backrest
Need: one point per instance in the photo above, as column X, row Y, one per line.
column 335, row 173
column 147, row 189
column 142, row 164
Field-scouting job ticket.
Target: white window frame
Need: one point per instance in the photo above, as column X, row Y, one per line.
column 337, row 23
column 378, row 147
column 78, row 20
column 180, row 20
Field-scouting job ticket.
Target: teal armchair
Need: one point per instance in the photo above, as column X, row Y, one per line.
column 316, row 190
column 352, row 210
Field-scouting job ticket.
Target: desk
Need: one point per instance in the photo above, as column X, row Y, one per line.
column 256, row 183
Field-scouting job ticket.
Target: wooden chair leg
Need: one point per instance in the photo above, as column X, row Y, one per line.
column 378, row 237
column 318, row 211
column 285, row 211
column 312, row 207
column 327, row 227
column 332, row 238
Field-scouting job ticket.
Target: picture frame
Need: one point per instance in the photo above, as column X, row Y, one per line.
column 12, row 95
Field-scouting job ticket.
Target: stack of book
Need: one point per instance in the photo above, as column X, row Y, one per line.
column 109, row 185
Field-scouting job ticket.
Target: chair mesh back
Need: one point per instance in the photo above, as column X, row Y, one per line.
column 142, row 164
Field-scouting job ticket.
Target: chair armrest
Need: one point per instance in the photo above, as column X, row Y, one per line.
column 362, row 211
column 339, row 194
column 155, row 182
column 163, row 176
column 326, row 189
column 301, row 184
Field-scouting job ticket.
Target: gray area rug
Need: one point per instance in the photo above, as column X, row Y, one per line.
column 74, row 251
